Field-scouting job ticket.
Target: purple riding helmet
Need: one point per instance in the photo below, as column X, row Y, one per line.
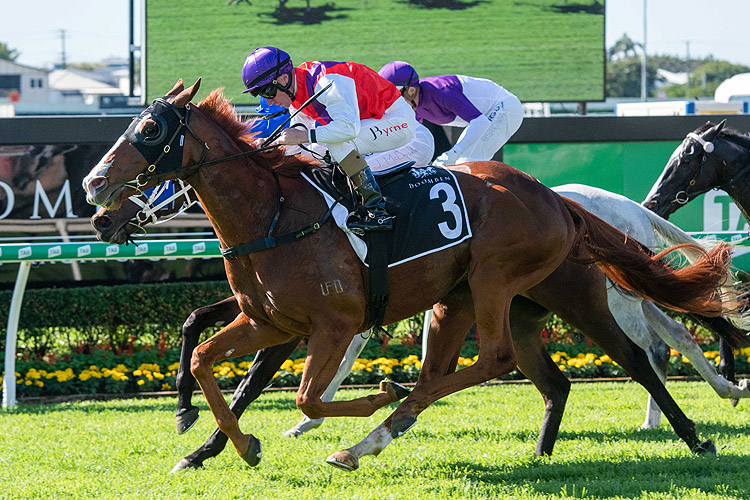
column 400, row 73
column 262, row 69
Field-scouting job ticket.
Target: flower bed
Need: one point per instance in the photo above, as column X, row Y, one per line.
column 113, row 374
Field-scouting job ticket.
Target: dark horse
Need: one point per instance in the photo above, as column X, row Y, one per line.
column 522, row 233
column 710, row 157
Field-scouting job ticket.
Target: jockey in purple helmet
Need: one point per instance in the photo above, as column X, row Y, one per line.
column 359, row 113
column 489, row 113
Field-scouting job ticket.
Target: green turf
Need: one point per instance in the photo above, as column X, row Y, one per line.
column 476, row 444
column 542, row 50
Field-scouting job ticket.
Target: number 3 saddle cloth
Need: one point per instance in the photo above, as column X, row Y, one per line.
column 427, row 202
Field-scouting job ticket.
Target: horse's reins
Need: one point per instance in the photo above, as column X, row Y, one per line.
column 246, row 248
column 266, row 144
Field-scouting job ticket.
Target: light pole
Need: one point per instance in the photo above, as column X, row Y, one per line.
column 643, row 60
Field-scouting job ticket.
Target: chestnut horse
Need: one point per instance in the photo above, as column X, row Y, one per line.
column 642, row 323
column 628, row 311
column 522, row 233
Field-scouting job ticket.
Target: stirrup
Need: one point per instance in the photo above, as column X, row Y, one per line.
column 372, row 222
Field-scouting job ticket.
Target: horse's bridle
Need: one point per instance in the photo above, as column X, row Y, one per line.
column 683, row 197
column 161, row 147
column 157, row 148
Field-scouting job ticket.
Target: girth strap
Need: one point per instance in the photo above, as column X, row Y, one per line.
column 377, row 244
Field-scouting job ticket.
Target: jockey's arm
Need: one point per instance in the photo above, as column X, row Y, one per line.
column 342, row 106
column 471, row 134
column 478, row 125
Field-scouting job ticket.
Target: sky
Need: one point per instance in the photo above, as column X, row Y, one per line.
column 98, row 29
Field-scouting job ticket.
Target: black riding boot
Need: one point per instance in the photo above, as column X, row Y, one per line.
column 376, row 218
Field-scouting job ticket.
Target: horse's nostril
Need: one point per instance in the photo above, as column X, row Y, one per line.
column 97, row 183
column 102, row 222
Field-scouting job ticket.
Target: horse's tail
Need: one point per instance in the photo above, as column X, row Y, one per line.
column 668, row 234
column 692, row 288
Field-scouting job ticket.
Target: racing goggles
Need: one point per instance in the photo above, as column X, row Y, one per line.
column 268, row 90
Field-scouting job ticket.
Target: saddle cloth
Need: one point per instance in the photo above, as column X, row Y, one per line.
column 427, row 202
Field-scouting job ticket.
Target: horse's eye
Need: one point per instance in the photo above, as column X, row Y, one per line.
column 150, row 129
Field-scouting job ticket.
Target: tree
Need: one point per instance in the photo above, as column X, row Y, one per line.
column 705, row 78
column 623, row 48
column 8, row 53
column 624, row 77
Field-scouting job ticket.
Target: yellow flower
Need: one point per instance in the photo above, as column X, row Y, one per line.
column 141, row 382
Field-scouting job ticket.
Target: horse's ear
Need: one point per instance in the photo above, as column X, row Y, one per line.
column 710, row 134
column 178, row 87
column 187, row 95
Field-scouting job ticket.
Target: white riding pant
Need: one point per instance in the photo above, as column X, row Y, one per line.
column 395, row 129
column 421, row 149
column 505, row 119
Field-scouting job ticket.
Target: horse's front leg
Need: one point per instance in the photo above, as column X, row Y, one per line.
column 260, row 374
column 352, row 353
column 325, row 351
column 242, row 336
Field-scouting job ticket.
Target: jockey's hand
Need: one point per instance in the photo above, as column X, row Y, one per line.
column 292, row 136
column 447, row 158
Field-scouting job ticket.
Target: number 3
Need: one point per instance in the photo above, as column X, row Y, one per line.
column 450, row 206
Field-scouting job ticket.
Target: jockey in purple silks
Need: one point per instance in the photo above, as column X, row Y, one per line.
column 489, row 113
column 359, row 113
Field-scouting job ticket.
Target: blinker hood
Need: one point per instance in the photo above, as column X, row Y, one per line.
column 163, row 148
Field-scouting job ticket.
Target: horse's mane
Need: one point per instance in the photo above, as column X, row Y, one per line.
column 221, row 111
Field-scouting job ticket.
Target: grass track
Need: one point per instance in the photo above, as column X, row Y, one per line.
column 476, row 444
column 542, row 50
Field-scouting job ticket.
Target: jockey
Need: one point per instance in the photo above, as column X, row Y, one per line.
column 360, row 113
column 489, row 113
column 420, row 149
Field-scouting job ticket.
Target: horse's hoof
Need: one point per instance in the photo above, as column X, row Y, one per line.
column 254, row 452
column 344, row 459
column 184, row 464
column 186, row 419
column 395, row 389
column 303, row 427
column 707, row 447
column 402, row 424
column 734, row 402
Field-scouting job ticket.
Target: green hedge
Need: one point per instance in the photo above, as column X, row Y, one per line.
column 74, row 319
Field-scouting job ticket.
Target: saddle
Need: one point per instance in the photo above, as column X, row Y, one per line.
column 430, row 215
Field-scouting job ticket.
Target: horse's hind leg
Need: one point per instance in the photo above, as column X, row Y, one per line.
column 671, row 330
column 218, row 314
column 628, row 314
column 260, row 374
column 452, row 318
column 352, row 353
column 589, row 312
column 526, row 322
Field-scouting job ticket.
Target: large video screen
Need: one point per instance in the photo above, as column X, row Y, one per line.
column 541, row 50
